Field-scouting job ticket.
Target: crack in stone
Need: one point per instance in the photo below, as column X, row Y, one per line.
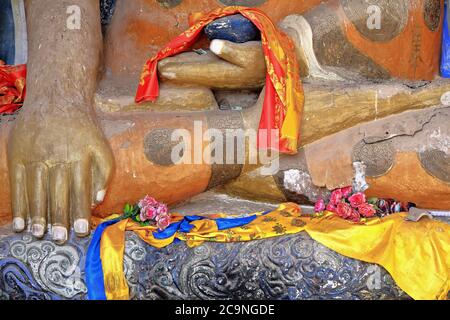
column 422, row 127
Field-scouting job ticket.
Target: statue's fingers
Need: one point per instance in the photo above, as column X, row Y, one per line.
column 80, row 196
column 103, row 163
column 37, row 183
column 59, row 186
column 19, row 197
column 246, row 55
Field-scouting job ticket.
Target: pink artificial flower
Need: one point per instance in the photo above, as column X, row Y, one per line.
column 148, row 213
column 147, row 202
column 162, row 209
column 320, row 206
column 336, row 197
column 343, row 210
column 366, row 210
column 346, row 192
column 331, row 208
column 357, row 199
column 163, row 221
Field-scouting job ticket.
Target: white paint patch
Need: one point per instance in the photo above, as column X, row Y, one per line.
column 100, row 196
column 439, row 141
column 294, row 180
column 300, row 182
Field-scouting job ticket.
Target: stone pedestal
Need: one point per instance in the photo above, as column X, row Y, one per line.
column 292, row 267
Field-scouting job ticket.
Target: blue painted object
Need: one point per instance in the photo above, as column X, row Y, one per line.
column 234, row 28
column 13, row 32
column 7, row 47
column 445, row 58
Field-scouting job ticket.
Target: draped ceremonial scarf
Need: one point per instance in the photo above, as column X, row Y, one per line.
column 283, row 103
column 12, row 87
column 416, row 254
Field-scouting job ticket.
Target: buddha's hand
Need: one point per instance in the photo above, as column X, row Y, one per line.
column 59, row 164
column 226, row 65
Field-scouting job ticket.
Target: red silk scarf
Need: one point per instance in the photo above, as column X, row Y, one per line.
column 284, row 99
column 12, row 87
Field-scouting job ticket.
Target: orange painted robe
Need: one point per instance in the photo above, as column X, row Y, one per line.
column 284, row 99
column 12, row 87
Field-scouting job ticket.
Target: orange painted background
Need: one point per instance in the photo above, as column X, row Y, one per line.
column 140, row 27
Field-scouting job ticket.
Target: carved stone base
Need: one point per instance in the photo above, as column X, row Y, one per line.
column 291, row 267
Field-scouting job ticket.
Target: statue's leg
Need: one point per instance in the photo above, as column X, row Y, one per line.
column 59, row 161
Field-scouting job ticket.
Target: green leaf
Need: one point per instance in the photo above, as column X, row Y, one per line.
column 127, row 208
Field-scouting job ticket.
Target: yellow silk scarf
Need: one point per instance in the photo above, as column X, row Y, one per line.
column 416, row 254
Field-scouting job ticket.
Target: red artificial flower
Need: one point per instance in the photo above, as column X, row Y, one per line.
column 330, row 208
column 346, row 192
column 366, row 210
column 343, row 210
column 336, row 197
column 357, row 199
column 320, row 206
column 354, row 216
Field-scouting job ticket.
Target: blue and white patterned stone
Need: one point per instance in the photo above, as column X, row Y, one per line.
column 234, row 28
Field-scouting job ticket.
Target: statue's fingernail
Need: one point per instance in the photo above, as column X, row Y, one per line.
column 100, row 195
column 217, row 46
column 59, row 234
column 81, row 226
column 37, row 230
column 18, row 224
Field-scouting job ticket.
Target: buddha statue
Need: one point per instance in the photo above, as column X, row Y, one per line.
column 82, row 145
